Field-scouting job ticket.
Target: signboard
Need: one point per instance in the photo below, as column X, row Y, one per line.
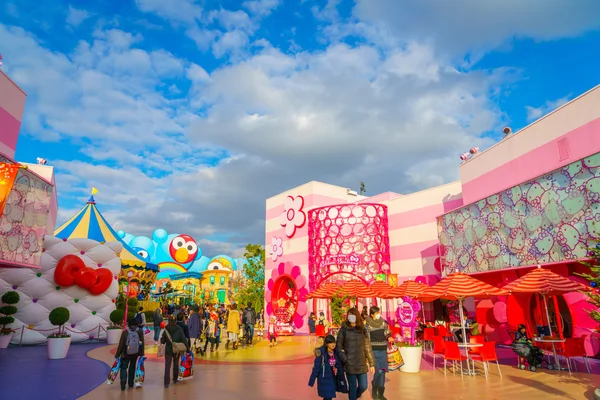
column 406, row 313
column 344, row 259
column 392, row 280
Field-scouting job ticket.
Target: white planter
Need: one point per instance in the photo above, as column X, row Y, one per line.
column 58, row 348
column 113, row 336
column 5, row 340
column 412, row 359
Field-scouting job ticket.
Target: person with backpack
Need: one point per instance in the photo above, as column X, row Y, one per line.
column 131, row 346
column 356, row 353
column 175, row 342
column 140, row 318
column 249, row 319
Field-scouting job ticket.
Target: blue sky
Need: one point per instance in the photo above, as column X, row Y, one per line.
column 188, row 114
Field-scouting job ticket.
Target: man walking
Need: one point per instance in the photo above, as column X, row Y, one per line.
column 249, row 319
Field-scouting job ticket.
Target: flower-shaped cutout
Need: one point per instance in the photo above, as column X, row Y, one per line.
column 294, row 216
column 287, row 290
column 276, row 248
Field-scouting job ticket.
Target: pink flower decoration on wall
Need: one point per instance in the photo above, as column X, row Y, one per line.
column 286, row 294
column 276, row 248
column 293, row 217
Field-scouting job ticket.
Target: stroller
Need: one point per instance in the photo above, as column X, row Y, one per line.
column 528, row 352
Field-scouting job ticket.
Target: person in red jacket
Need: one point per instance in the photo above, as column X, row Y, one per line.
column 131, row 346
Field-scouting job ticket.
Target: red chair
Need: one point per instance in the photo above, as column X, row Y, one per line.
column 439, row 348
column 428, row 335
column 320, row 331
column 476, row 351
column 453, row 354
column 575, row 347
column 441, row 330
column 487, row 354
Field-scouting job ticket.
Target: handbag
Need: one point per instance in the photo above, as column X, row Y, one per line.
column 394, row 357
column 178, row 347
column 341, row 385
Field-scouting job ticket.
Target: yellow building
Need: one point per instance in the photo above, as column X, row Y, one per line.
column 186, row 288
column 215, row 281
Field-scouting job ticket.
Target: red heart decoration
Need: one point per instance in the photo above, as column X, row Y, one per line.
column 103, row 281
column 86, row 278
column 67, row 270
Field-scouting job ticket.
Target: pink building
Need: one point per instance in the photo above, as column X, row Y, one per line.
column 533, row 198
column 30, row 205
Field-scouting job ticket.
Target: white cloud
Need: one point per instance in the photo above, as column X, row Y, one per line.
column 75, row 16
column 462, row 26
column 534, row 113
column 201, row 156
column 175, row 11
column 261, row 7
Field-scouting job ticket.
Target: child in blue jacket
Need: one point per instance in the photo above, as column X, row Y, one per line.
column 328, row 370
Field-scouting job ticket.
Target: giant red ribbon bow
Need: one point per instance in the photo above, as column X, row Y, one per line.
column 71, row 270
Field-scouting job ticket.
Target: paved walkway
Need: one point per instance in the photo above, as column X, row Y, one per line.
column 265, row 373
column 282, row 373
column 27, row 373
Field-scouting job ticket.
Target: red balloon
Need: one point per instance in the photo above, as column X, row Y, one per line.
column 103, row 281
column 67, row 269
column 163, row 325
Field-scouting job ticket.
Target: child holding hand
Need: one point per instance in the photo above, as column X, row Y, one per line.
column 328, row 371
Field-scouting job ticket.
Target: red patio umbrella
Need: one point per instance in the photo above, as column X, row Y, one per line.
column 546, row 283
column 325, row 291
column 382, row 289
column 358, row 289
column 408, row 288
column 458, row 286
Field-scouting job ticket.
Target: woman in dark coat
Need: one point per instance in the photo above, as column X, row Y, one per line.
column 172, row 358
column 356, row 353
column 327, row 369
column 194, row 325
column 184, row 327
column 158, row 319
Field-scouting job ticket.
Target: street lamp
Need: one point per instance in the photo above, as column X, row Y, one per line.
column 129, row 276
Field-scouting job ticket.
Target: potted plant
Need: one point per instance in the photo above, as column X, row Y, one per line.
column 6, row 334
column 59, row 341
column 411, row 354
column 113, row 332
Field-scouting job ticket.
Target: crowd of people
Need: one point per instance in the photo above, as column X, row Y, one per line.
column 180, row 329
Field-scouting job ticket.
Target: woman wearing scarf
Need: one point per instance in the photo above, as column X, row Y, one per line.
column 379, row 335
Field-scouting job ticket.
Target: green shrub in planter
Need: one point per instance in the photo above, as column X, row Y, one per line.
column 59, row 317
column 132, row 303
column 8, row 298
column 116, row 317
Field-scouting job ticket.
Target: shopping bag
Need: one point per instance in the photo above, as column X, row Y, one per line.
column 140, row 372
column 186, row 367
column 147, row 331
column 114, row 371
column 394, row 358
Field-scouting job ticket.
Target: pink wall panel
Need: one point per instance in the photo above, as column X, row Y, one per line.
column 310, row 201
column 421, row 216
column 579, row 143
column 9, row 131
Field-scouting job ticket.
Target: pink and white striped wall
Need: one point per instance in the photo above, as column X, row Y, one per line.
column 412, row 226
column 12, row 104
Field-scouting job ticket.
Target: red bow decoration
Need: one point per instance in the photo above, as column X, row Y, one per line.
column 71, row 270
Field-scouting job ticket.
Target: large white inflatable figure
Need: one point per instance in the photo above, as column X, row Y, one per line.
column 79, row 274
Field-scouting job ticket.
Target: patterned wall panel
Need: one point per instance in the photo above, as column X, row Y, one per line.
column 23, row 222
column 552, row 218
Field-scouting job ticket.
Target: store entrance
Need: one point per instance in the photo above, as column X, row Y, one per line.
column 561, row 321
